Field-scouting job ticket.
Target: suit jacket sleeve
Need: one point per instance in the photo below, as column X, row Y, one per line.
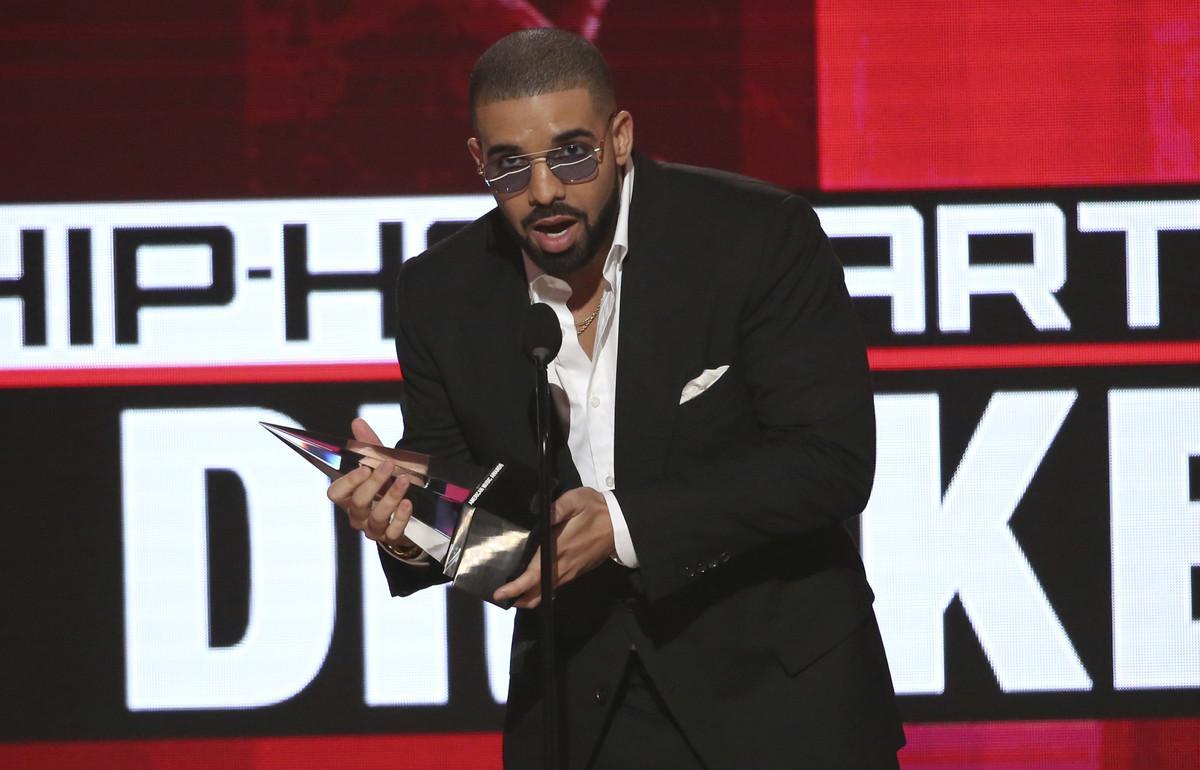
column 429, row 424
column 809, row 461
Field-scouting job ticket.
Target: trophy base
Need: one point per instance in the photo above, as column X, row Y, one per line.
column 487, row 552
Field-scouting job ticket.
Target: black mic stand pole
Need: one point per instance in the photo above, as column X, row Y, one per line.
column 547, row 638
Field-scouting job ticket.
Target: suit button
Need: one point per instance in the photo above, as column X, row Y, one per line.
column 600, row 696
column 724, row 557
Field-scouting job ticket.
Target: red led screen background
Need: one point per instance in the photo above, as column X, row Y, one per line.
column 864, row 99
column 1000, row 93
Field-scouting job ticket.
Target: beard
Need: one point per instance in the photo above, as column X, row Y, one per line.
column 595, row 235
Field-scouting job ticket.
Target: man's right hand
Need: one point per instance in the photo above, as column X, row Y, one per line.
column 382, row 520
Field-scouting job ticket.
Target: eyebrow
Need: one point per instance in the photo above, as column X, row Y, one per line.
column 559, row 140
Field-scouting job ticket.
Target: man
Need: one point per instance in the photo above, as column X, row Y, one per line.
column 717, row 430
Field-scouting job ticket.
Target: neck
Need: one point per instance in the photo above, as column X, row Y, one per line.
column 587, row 283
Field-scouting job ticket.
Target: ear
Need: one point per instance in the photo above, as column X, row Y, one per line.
column 622, row 137
column 476, row 151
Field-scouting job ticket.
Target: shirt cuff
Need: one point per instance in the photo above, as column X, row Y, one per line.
column 626, row 556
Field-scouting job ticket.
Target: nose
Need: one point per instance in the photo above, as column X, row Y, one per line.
column 544, row 187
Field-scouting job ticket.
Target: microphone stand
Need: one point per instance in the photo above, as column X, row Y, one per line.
column 547, row 635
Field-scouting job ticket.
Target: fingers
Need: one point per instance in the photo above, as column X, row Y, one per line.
column 366, row 492
column 527, row 588
column 342, row 492
column 389, row 510
column 382, row 519
column 363, row 432
column 574, row 502
column 561, row 510
column 393, row 534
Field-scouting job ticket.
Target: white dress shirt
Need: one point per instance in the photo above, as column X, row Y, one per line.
column 584, row 389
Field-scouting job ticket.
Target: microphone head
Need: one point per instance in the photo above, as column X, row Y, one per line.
column 541, row 336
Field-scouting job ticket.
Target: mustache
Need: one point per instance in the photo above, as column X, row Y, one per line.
column 556, row 209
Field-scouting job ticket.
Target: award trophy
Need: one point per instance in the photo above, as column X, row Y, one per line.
column 474, row 522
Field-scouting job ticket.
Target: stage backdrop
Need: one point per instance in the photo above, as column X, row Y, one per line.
column 204, row 208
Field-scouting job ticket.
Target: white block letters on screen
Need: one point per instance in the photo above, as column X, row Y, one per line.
column 169, row 663
column 1033, row 284
column 497, row 643
column 922, row 549
column 340, row 235
column 1141, row 222
column 405, row 647
column 903, row 280
column 405, row 654
column 1155, row 537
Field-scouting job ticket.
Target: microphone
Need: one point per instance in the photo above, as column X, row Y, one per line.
column 541, row 336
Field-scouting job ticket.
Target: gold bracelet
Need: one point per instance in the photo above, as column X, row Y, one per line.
column 408, row 553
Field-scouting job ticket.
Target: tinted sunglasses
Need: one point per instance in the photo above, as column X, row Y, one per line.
column 572, row 163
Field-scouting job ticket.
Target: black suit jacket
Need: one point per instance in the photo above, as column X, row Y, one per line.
column 750, row 608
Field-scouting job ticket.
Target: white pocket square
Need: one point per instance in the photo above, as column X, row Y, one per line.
column 701, row 383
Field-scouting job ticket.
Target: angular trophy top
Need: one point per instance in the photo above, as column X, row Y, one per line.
column 330, row 455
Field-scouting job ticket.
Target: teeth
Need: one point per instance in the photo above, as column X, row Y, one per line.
column 563, row 227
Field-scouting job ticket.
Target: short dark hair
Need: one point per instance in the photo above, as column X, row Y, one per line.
column 538, row 61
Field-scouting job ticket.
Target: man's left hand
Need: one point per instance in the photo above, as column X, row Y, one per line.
column 583, row 540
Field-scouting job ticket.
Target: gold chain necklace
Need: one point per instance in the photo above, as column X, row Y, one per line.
column 582, row 326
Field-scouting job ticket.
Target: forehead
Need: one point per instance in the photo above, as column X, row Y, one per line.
column 531, row 122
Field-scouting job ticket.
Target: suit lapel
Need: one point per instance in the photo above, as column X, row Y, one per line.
column 656, row 323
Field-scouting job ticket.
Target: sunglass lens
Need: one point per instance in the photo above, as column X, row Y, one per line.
column 512, row 181
column 579, row 170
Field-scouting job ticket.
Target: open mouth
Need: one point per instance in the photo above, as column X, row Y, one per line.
column 554, row 226
column 555, row 234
